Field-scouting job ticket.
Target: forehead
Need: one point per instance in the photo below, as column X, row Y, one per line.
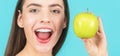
column 43, row 2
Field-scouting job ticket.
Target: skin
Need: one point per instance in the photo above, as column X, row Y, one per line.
column 41, row 14
column 97, row 46
column 47, row 14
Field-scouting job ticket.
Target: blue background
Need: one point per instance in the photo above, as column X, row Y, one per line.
column 108, row 10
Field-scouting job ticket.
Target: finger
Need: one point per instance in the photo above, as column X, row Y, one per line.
column 90, row 46
column 100, row 29
column 101, row 35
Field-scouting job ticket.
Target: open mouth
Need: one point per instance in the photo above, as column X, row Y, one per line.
column 43, row 35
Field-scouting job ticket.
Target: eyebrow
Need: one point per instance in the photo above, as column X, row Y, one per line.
column 34, row 4
column 38, row 5
column 53, row 5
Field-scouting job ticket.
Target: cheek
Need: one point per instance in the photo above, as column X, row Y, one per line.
column 28, row 23
column 59, row 22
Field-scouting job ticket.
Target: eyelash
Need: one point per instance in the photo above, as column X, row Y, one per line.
column 55, row 11
column 34, row 10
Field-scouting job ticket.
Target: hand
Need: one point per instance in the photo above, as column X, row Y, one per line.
column 97, row 46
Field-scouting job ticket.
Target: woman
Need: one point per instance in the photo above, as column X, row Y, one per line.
column 39, row 28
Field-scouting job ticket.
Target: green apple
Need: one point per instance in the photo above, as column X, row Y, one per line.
column 85, row 25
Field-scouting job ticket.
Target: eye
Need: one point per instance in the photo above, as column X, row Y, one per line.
column 34, row 10
column 55, row 11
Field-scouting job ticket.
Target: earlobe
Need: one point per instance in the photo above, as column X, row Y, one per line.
column 19, row 19
column 65, row 23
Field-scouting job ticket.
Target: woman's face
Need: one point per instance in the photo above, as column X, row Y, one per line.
column 43, row 22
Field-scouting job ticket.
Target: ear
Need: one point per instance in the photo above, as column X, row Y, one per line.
column 65, row 23
column 20, row 20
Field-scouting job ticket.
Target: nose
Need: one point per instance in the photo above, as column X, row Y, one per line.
column 44, row 21
column 45, row 18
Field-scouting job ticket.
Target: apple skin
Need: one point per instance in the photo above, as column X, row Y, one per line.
column 85, row 25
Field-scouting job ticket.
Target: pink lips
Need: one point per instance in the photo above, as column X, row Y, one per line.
column 43, row 35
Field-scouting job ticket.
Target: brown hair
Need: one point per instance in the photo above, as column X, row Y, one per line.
column 17, row 38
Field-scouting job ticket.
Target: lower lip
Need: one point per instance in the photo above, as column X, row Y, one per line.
column 43, row 41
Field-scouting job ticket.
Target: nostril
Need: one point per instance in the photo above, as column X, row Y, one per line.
column 41, row 21
column 44, row 21
column 48, row 21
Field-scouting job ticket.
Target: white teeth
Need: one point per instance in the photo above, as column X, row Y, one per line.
column 43, row 30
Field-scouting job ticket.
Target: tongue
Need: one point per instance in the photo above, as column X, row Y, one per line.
column 43, row 36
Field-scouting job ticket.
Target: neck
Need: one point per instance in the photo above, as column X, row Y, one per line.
column 29, row 51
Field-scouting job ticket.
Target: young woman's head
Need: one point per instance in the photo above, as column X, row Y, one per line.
column 40, row 25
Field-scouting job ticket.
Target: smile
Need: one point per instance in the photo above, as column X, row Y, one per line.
column 43, row 34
